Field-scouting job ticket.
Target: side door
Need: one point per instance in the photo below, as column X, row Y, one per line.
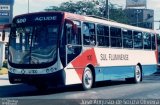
column 72, row 31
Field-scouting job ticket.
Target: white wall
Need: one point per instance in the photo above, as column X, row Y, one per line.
column 2, row 47
column 2, row 53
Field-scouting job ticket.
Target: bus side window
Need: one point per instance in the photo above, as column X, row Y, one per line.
column 116, row 37
column 138, row 40
column 103, row 35
column 127, row 38
column 69, row 34
column 88, row 30
column 72, row 38
column 147, row 40
column 77, row 35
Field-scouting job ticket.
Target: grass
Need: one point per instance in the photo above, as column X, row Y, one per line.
column 3, row 71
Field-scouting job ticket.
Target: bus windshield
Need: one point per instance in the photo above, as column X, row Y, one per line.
column 33, row 44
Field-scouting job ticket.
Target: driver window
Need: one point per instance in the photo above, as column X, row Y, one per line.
column 72, row 38
column 69, row 34
column 89, row 34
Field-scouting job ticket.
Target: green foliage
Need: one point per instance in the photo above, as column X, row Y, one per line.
column 118, row 15
column 92, row 8
column 80, row 7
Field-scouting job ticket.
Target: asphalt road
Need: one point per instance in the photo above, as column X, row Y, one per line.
column 27, row 95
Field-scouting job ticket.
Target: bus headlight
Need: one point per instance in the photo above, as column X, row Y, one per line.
column 12, row 70
column 47, row 70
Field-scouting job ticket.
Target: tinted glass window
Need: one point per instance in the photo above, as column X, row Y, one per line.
column 127, row 38
column 88, row 31
column 33, row 44
column 147, row 40
column 116, row 38
column 103, row 35
column 138, row 41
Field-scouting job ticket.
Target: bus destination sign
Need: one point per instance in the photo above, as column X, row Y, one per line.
column 36, row 19
column 46, row 18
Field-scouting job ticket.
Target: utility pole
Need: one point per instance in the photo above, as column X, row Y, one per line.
column 107, row 9
column 137, row 13
column 28, row 6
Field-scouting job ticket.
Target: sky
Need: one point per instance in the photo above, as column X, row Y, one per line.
column 21, row 6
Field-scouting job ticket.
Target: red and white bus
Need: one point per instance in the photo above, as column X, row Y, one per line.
column 60, row 48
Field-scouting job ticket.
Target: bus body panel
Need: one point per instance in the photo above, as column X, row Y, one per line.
column 71, row 75
column 114, row 72
column 50, row 79
column 111, row 63
column 121, row 57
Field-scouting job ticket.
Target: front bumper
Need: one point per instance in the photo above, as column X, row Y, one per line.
column 56, row 78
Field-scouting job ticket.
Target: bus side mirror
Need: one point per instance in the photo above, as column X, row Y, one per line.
column 3, row 35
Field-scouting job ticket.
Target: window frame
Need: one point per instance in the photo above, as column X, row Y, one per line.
column 127, row 38
column 149, row 34
column 140, row 48
column 119, row 37
column 155, row 41
column 90, row 36
column 104, row 35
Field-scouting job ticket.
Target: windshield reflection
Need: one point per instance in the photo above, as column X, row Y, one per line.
column 33, row 44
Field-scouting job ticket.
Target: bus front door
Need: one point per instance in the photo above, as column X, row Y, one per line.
column 73, row 42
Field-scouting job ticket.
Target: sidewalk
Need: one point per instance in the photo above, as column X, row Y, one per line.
column 4, row 80
column 4, row 77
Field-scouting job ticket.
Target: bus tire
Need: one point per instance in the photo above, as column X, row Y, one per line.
column 137, row 74
column 87, row 80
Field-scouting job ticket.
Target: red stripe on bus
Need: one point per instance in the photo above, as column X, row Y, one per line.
column 87, row 57
column 156, row 55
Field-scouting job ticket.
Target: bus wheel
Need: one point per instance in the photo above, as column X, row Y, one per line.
column 137, row 74
column 87, row 80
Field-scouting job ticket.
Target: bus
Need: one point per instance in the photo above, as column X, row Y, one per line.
column 61, row 48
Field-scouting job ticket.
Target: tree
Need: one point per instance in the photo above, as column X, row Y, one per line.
column 80, row 7
column 118, row 14
column 97, row 8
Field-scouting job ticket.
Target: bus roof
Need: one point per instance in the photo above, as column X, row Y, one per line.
column 86, row 18
column 105, row 22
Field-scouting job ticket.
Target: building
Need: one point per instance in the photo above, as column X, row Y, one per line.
column 138, row 14
column 6, row 15
column 141, row 17
column 6, row 11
